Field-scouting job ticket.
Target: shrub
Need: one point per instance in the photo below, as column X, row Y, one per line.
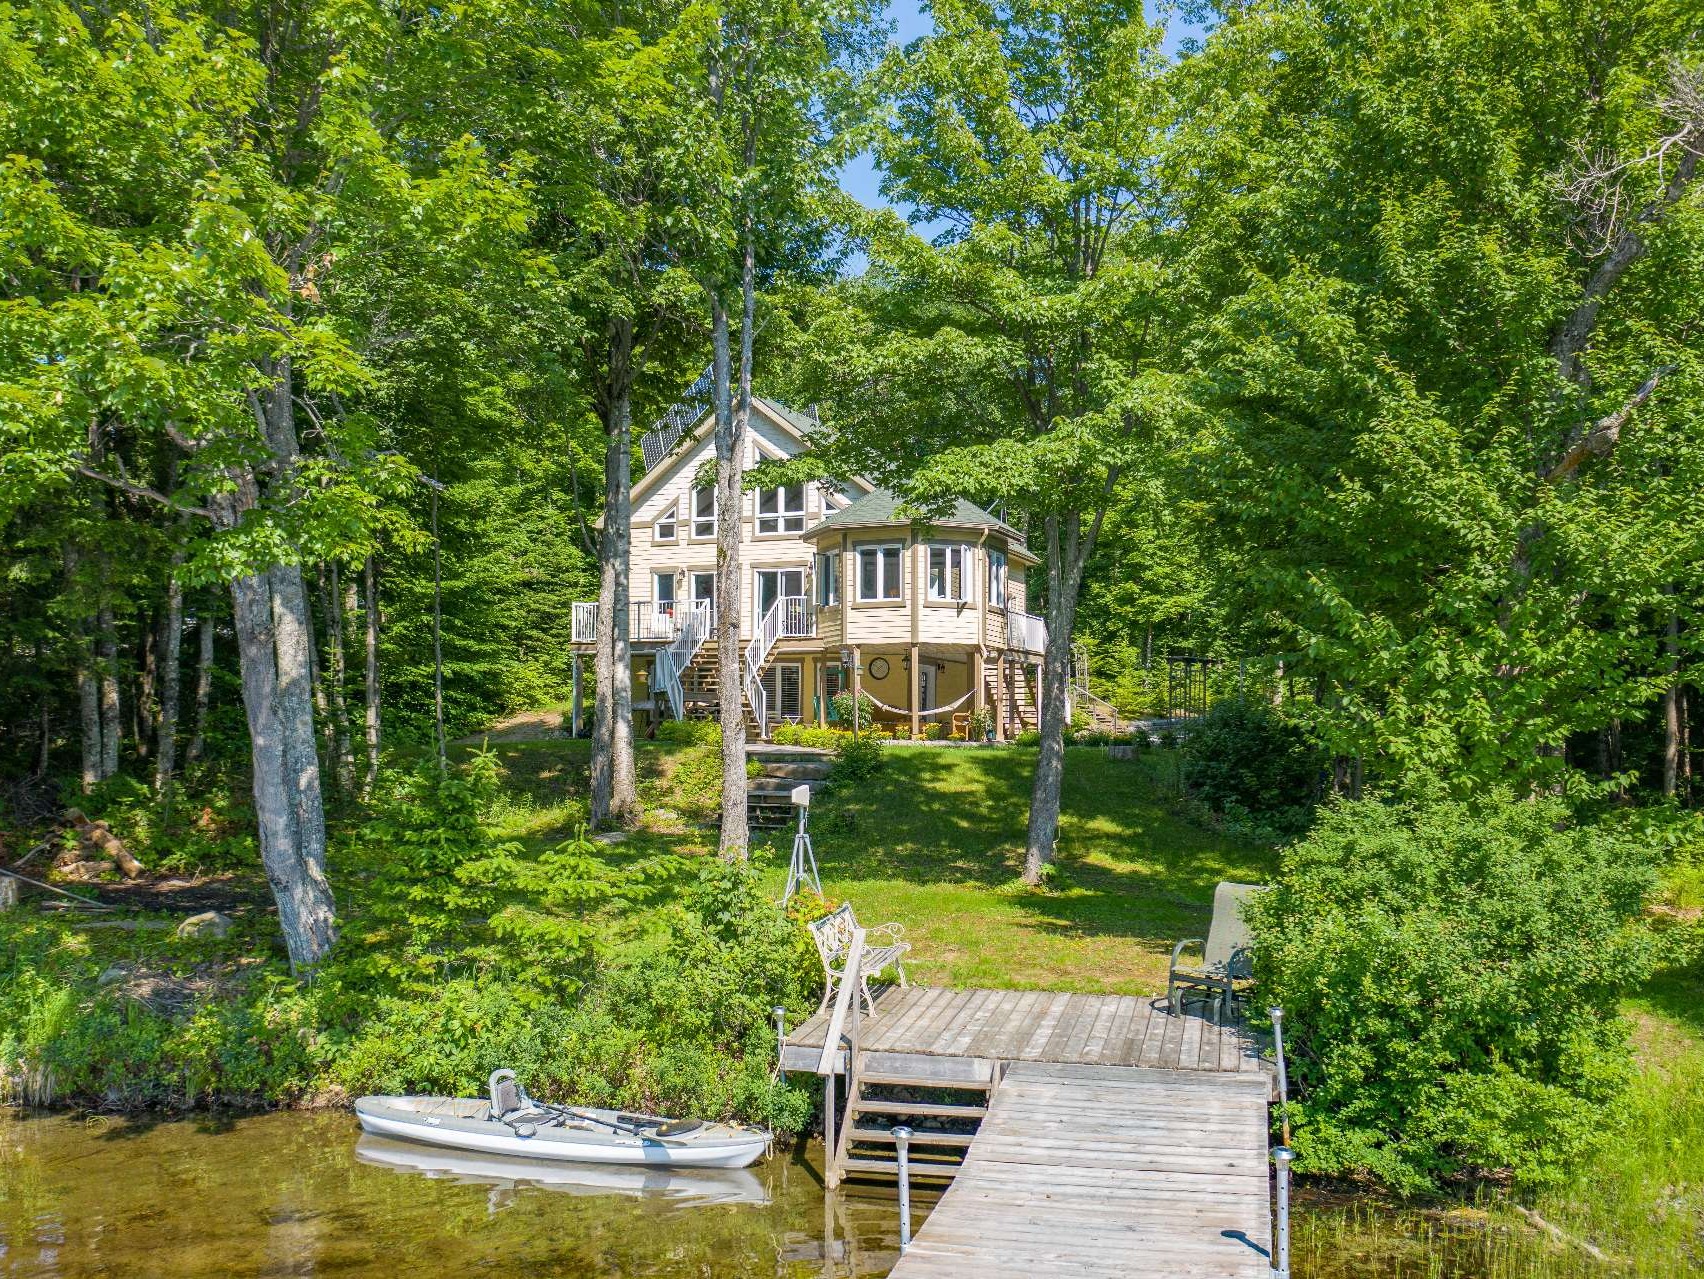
column 1449, row 975
column 840, row 709
column 690, row 732
column 808, row 735
column 1242, row 754
column 934, row 732
column 1029, row 737
column 858, row 758
column 981, row 724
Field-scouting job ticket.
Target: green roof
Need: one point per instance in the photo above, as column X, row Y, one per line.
column 883, row 507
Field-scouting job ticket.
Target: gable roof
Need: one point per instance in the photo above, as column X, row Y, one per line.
column 791, row 423
column 881, row 508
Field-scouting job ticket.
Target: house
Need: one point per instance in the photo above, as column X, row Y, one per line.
column 840, row 592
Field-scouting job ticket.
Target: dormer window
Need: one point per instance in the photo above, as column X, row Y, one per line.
column 781, row 510
column 704, row 512
column 664, row 529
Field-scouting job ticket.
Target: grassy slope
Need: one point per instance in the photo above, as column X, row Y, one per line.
column 935, row 843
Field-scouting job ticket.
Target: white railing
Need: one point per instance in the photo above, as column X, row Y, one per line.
column 585, row 627
column 695, row 621
column 790, row 617
column 1077, row 689
column 1025, row 632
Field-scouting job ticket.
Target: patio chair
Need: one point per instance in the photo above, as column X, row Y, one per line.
column 1227, row 954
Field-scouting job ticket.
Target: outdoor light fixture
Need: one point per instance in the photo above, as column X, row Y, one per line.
column 846, row 657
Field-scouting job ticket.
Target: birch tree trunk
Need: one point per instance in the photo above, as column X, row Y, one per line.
column 203, row 688
column 438, row 630
column 730, row 468
column 1671, row 704
column 169, row 647
column 88, row 687
column 338, row 607
column 370, row 615
column 106, row 654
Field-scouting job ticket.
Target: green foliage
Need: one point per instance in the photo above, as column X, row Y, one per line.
column 1029, row 737
column 1242, row 757
column 840, row 709
column 1450, row 976
column 858, row 757
column 809, row 735
column 690, row 732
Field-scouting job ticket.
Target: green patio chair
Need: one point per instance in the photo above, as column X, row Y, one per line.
column 1227, row 954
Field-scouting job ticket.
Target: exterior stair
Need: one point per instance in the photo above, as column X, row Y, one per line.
column 769, row 798
column 941, row 1099
column 1024, row 699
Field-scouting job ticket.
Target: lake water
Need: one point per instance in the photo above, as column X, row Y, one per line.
column 306, row 1194
column 296, row 1193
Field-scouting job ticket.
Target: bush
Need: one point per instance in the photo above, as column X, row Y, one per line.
column 981, row 724
column 1029, row 737
column 690, row 732
column 858, row 758
column 840, row 709
column 806, row 735
column 934, row 732
column 1241, row 754
column 1449, row 975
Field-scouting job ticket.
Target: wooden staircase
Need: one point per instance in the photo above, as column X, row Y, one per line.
column 941, row 1099
column 1023, row 698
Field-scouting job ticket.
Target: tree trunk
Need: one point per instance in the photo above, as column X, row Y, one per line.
column 106, row 651
column 370, row 614
column 615, row 790
column 170, row 648
column 144, row 710
column 339, row 603
column 1671, row 704
column 88, row 686
column 203, row 687
column 438, row 630
column 730, row 470
column 1068, row 549
column 305, row 908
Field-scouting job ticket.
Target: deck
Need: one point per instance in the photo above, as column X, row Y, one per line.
column 989, row 1026
column 1083, row 1171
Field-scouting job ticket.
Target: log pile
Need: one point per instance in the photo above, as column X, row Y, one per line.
column 97, row 851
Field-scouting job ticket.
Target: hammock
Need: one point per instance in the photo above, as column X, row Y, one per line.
column 938, row 710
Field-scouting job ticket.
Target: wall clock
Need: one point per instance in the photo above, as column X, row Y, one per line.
column 878, row 668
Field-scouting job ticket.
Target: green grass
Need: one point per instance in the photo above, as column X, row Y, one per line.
column 935, row 842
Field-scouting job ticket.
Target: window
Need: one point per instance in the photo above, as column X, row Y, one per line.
column 833, row 681
column 878, row 572
column 664, row 529
column 996, row 579
column 781, row 510
column 704, row 512
column 663, row 593
column 948, row 578
column 828, row 580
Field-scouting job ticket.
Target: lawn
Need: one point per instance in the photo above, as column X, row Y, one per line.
column 935, row 843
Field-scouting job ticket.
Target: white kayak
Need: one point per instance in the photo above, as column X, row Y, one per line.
column 519, row 1126
column 506, row 1172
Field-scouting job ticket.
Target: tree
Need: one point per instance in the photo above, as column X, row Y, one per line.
column 179, row 291
column 1452, row 335
column 1023, row 358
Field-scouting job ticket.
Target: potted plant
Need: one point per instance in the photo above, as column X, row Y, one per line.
column 982, row 725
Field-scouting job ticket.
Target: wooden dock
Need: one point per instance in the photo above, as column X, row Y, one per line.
column 1037, row 1025
column 1084, row 1135
column 1083, row 1171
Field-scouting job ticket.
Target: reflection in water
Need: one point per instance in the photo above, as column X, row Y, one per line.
column 296, row 1194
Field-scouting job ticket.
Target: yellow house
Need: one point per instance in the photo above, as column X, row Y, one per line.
column 839, row 592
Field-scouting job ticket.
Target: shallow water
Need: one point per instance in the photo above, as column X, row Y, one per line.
column 305, row 1194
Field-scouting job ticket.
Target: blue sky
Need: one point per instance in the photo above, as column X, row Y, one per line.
column 862, row 180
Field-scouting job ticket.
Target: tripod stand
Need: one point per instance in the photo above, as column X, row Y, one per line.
column 803, row 871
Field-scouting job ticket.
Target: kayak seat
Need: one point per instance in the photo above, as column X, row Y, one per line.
column 506, row 1096
column 679, row 1127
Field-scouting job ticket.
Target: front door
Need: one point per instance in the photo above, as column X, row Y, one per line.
column 926, row 687
column 704, row 589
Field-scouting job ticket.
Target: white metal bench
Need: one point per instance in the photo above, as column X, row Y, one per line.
column 833, row 935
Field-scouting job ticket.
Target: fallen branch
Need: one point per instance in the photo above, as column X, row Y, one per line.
column 1562, row 1236
column 76, row 897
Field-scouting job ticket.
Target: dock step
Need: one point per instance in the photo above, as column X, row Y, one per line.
column 919, row 1137
column 890, row 1167
column 881, row 1106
